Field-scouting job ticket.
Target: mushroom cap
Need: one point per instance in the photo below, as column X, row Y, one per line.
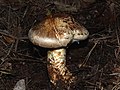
column 80, row 33
column 52, row 32
column 57, row 31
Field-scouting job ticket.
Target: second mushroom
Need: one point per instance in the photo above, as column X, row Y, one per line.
column 56, row 32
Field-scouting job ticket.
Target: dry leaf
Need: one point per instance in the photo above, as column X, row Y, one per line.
column 8, row 39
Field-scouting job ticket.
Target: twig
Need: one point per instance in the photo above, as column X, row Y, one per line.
column 2, row 33
column 27, row 56
column 9, row 14
column 4, row 72
column 3, row 42
column 16, row 45
column 87, row 57
column 117, row 37
column 20, row 38
column 27, row 60
column 3, row 58
column 117, row 51
column 116, row 86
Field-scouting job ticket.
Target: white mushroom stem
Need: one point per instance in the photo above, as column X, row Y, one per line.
column 57, row 66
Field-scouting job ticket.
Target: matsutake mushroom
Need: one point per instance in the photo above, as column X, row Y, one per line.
column 56, row 32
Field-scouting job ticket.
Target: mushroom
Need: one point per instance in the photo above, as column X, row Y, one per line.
column 56, row 32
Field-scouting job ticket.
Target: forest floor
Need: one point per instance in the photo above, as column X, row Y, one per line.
column 95, row 61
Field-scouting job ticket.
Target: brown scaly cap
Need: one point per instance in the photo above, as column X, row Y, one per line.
column 52, row 32
column 57, row 31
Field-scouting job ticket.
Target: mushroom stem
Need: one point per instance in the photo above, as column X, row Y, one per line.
column 57, row 66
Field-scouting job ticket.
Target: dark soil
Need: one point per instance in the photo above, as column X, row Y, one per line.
column 95, row 62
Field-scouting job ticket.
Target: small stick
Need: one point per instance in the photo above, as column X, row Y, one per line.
column 87, row 57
